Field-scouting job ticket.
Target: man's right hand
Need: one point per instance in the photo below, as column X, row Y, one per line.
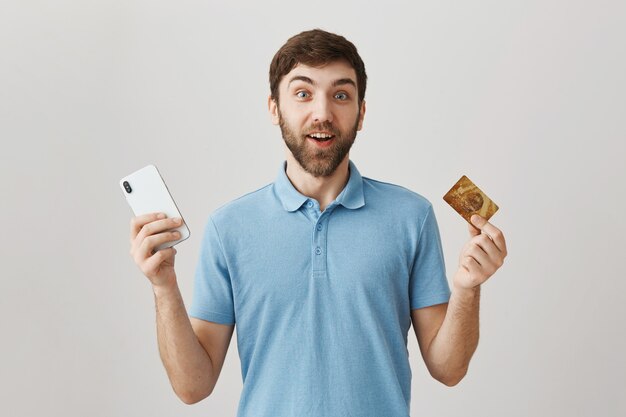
column 147, row 232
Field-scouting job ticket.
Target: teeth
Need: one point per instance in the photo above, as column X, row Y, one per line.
column 320, row 135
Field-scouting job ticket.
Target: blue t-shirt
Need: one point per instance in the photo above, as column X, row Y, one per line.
column 321, row 300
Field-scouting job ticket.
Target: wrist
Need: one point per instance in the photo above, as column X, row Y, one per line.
column 461, row 290
column 165, row 289
column 466, row 292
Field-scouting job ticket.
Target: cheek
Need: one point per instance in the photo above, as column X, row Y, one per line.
column 296, row 126
column 348, row 118
column 295, row 120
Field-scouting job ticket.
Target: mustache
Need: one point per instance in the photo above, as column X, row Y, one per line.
column 326, row 127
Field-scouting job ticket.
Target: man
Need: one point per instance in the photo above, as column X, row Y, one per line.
column 323, row 270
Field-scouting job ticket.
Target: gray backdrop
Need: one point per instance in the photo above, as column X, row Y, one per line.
column 527, row 98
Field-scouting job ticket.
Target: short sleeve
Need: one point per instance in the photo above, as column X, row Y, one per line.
column 428, row 284
column 213, row 294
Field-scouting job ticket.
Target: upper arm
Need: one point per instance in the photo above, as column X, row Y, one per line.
column 426, row 323
column 215, row 339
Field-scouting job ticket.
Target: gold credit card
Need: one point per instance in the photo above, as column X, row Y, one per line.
column 467, row 199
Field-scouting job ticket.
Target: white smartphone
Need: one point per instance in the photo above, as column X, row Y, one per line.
column 146, row 192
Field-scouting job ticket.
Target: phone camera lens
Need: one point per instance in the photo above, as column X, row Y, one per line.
column 127, row 187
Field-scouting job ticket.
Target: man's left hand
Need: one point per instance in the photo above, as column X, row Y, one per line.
column 482, row 255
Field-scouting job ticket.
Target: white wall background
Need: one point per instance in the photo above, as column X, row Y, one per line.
column 527, row 98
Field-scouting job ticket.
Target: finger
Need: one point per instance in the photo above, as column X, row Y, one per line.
column 491, row 231
column 157, row 226
column 136, row 223
column 487, row 245
column 148, row 245
column 471, row 265
column 481, row 257
column 473, row 230
column 152, row 263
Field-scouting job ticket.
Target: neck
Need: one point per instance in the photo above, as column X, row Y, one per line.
column 323, row 189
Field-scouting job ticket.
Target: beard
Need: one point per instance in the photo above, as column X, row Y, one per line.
column 319, row 162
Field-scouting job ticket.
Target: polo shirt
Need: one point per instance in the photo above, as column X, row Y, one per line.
column 321, row 300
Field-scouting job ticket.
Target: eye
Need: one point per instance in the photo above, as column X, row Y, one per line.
column 341, row 96
column 302, row 94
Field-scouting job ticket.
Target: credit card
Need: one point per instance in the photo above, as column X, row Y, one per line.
column 467, row 199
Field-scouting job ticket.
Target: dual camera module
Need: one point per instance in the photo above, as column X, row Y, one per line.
column 127, row 187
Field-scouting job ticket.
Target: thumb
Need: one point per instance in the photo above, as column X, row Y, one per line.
column 477, row 224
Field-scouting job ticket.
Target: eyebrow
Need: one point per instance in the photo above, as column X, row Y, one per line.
column 341, row 81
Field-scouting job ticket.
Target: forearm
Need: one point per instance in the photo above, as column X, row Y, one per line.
column 450, row 351
column 187, row 363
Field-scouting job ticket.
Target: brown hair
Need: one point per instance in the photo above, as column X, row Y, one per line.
column 315, row 48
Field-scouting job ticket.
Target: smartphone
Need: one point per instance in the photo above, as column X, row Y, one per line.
column 146, row 192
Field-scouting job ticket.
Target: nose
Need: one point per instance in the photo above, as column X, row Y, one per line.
column 322, row 111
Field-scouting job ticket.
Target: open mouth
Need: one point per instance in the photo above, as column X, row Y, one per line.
column 320, row 137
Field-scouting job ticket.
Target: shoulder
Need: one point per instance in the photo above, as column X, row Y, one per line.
column 393, row 195
column 244, row 207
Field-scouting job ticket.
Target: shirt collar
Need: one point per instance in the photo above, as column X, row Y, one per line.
column 350, row 197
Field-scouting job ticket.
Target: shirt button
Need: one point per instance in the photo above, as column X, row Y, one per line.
column 318, row 250
column 319, row 227
column 309, row 204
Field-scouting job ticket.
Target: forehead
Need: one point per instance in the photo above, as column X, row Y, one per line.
column 322, row 75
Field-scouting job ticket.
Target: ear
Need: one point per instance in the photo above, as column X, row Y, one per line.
column 361, row 116
column 273, row 109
